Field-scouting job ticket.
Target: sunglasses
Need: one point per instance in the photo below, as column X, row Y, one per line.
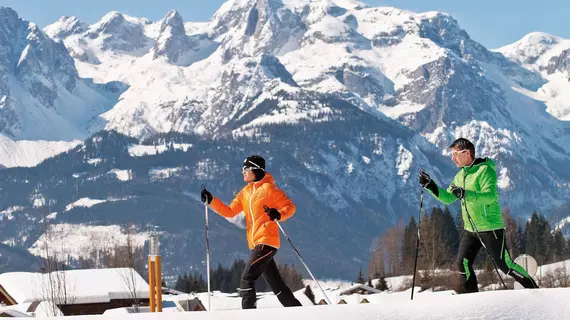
column 248, row 169
column 456, row 153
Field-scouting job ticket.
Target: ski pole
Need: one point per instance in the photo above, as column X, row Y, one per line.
column 207, row 250
column 300, row 258
column 417, row 242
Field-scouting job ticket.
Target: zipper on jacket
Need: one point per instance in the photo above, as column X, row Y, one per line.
column 485, row 209
column 251, row 213
column 464, row 201
column 465, row 190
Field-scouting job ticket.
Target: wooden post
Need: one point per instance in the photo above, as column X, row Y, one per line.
column 151, row 283
column 155, row 275
column 158, row 285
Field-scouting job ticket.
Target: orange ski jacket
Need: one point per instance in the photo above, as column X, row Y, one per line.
column 251, row 200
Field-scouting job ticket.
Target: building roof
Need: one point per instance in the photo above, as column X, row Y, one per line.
column 358, row 286
column 82, row 286
column 10, row 313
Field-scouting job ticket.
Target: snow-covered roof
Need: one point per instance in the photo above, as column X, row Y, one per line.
column 218, row 300
column 82, row 286
column 13, row 313
column 21, row 309
column 331, row 288
column 128, row 310
column 358, row 286
column 45, row 309
column 547, row 268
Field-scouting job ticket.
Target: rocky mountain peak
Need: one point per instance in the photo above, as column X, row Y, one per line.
column 116, row 32
column 64, row 27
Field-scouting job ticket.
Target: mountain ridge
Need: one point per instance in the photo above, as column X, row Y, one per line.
column 346, row 101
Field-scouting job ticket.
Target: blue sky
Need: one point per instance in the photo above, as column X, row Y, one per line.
column 493, row 23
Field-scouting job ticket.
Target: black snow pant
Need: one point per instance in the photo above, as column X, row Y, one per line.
column 261, row 262
column 497, row 248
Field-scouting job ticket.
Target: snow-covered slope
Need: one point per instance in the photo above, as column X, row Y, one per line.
column 28, row 153
column 550, row 56
column 84, row 242
column 519, row 304
column 536, row 50
column 42, row 94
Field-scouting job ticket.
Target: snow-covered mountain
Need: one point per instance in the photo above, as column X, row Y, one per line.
column 347, row 102
column 419, row 69
column 42, row 97
column 550, row 56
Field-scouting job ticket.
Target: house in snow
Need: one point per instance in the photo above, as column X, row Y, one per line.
column 343, row 293
column 358, row 289
column 74, row 292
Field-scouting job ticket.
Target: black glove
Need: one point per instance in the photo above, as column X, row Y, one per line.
column 206, row 196
column 424, row 178
column 426, row 182
column 458, row 192
column 272, row 213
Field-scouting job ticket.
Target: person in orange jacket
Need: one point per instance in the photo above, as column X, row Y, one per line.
column 262, row 202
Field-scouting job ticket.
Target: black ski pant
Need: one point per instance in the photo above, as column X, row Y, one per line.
column 261, row 262
column 497, row 248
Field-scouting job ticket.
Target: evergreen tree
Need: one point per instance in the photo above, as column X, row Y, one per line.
column 459, row 221
column 179, row 284
column 229, row 280
column 202, row 285
column 409, row 246
column 217, row 278
column 451, row 234
column 309, row 293
column 521, row 239
column 538, row 239
column 236, row 271
column 513, row 233
column 360, row 278
column 558, row 246
column 382, row 285
column 548, row 240
column 196, row 283
column 297, row 282
column 436, row 218
column 186, row 282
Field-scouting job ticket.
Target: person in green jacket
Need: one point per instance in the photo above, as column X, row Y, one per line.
column 475, row 185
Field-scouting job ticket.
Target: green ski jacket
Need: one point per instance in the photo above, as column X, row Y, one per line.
column 481, row 198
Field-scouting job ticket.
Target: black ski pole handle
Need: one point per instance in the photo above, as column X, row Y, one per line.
column 204, row 188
